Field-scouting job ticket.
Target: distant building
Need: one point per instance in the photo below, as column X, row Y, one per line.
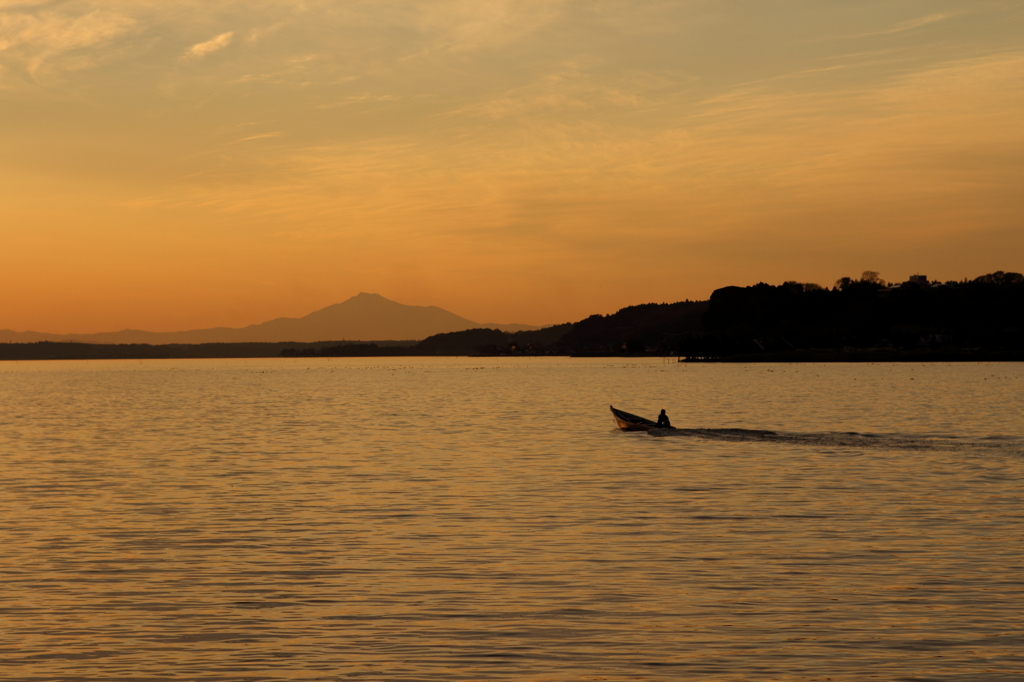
column 919, row 279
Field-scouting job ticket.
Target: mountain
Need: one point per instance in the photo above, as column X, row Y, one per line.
column 366, row 317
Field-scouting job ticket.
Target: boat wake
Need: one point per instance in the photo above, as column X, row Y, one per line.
column 1008, row 445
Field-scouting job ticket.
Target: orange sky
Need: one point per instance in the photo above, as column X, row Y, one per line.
column 179, row 165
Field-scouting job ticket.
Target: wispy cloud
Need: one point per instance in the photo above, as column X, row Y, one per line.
column 459, row 26
column 201, row 50
column 911, row 24
column 37, row 40
column 258, row 34
column 261, row 136
column 21, row 4
column 365, row 98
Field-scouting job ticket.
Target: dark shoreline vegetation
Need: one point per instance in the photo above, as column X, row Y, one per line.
column 861, row 320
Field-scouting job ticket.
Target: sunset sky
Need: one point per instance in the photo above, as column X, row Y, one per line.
column 177, row 165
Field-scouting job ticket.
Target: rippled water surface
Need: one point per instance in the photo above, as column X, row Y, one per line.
column 481, row 519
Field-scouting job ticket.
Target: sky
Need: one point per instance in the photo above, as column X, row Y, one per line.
column 180, row 165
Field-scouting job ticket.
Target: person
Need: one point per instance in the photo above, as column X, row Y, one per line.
column 663, row 422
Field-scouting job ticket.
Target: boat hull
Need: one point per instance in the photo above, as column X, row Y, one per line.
column 631, row 422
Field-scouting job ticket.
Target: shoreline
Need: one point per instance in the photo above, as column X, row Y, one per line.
column 52, row 350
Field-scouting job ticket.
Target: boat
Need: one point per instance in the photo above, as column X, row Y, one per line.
column 631, row 422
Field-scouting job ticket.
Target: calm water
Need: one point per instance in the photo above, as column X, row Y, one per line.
column 480, row 519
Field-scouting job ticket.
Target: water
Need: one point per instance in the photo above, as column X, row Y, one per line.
column 481, row 519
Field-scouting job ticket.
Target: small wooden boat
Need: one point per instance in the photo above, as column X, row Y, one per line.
column 631, row 422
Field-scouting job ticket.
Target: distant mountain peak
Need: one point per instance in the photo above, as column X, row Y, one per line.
column 363, row 317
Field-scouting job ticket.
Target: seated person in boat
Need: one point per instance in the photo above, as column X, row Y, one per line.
column 663, row 422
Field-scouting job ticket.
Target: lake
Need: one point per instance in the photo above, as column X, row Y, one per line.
column 482, row 519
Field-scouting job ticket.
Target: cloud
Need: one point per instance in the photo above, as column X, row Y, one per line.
column 258, row 34
column 200, row 50
column 261, row 136
column 365, row 98
column 458, row 25
column 910, row 25
column 37, row 40
column 931, row 152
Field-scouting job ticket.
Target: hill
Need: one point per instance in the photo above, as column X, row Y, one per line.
column 856, row 320
column 980, row 319
column 983, row 314
column 364, row 317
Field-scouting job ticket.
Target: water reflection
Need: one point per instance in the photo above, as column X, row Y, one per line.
column 463, row 519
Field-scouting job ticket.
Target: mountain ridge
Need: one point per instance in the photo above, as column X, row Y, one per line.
column 363, row 317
